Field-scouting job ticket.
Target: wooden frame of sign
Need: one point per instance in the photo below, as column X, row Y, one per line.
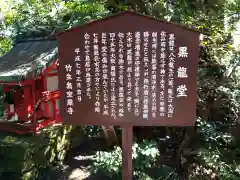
column 128, row 70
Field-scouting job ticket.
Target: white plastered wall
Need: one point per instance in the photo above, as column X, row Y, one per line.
column 52, row 84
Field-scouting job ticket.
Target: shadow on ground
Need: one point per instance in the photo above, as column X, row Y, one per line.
column 78, row 161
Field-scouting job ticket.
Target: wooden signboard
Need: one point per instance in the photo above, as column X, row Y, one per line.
column 129, row 70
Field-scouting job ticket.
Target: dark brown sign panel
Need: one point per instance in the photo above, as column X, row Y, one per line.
column 129, row 69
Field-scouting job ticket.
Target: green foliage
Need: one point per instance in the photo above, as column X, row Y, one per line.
column 81, row 12
column 211, row 150
column 111, row 162
column 92, row 130
column 5, row 45
column 32, row 157
column 145, row 155
column 49, row 16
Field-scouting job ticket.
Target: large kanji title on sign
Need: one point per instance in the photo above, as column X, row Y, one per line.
column 130, row 77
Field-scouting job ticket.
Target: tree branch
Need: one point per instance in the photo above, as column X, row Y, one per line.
column 234, row 68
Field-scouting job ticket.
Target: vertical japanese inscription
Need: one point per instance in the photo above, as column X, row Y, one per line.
column 106, row 71
column 137, row 73
column 171, row 64
column 69, row 88
column 129, row 41
column 78, row 68
column 154, row 74
column 105, row 81
column 121, row 95
column 162, row 72
column 146, row 77
column 97, row 71
column 182, row 72
column 87, row 64
column 113, row 103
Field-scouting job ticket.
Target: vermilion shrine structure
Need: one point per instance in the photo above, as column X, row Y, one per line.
column 28, row 74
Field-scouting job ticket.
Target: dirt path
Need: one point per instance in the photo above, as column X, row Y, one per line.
column 78, row 161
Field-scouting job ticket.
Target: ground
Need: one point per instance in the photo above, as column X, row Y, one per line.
column 76, row 165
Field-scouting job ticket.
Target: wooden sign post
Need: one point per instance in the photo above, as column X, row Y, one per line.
column 127, row 141
column 128, row 70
